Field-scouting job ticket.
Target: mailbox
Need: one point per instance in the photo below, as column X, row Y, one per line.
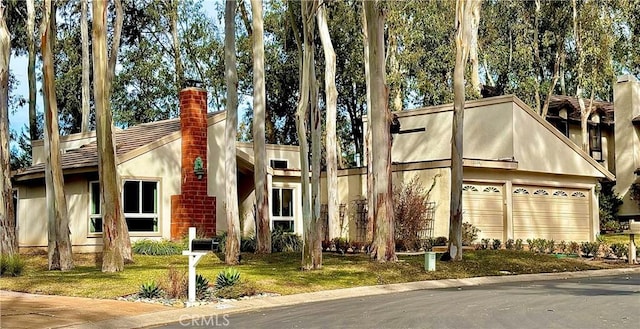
column 205, row 244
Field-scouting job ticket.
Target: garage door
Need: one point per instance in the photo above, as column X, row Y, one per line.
column 483, row 206
column 551, row 213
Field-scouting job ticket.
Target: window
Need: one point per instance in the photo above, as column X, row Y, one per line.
column 140, row 204
column 15, row 207
column 95, row 213
column 279, row 164
column 282, row 209
column 595, row 141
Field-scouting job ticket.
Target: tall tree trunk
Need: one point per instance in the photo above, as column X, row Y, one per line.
column 473, row 50
column 331, row 142
column 113, row 235
column 31, row 69
column 173, row 18
column 8, row 241
column 371, row 198
column 259, row 148
column 464, row 24
column 584, row 116
column 232, row 247
column 396, row 85
column 302, row 115
column 554, row 81
column 384, row 235
column 536, row 56
column 84, row 31
column 60, row 255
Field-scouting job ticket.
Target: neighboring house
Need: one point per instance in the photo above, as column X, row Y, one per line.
column 614, row 135
column 522, row 177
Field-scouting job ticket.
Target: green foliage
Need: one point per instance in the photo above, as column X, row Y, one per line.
column 285, row 242
column 410, row 208
column 227, row 278
column 11, row 265
column 550, row 246
column 496, row 244
column 518, row 245
column 469, row 233
column 150, row 289
column 202, row 287
column 609, row 203
column 541, row 245
column 248, row 244
column 573, row 247
column 590, row 248
column 562, row 247
column 156, row 248
column 341, row 245
column 510, row 244
column 484, row 244
column 620, row 249
column 440, row 241
column 610, row 225
column 634, row 192
column 240, row 289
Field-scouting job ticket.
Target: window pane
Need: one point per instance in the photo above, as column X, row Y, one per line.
column 287, row 202
column 95, row 198
column 95, row 225
column 149, row 224
column 131, row 197
column 275, row 203
column 283, row 225
column 149, row 197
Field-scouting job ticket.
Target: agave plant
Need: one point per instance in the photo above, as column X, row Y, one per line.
column 150, row 290
column 227, row 278
column 202, row 287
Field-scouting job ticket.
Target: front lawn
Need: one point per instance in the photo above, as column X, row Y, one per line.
column 619, row 238
column 279, row 272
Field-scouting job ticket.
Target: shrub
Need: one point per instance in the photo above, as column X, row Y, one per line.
column 440, row 241
column 227, row 278
column 150, row 289
column 610, row 225
column 510, row 244
column 248, row 244
column 469, row 233
column 496, row 244
column 341, row 245
column 620, row 249
column 562, row 247
column 240, row 289
column 484, row 244
column 573, row 247
column 357, row 246
column 202, row 287
column 11, row 265
column 176, row 283
column 550, row 246
column 156, row 248
column 609, row 203
column 410, row 207
column 590, row 248
column 285, row 242
column 518, row 244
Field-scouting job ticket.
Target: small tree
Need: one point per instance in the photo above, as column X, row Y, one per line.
column 411, row 204
column 609, row 203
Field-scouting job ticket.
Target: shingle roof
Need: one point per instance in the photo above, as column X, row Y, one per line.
column 126, row 140
column 558, row 102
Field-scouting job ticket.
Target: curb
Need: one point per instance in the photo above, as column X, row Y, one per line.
column 232, row 307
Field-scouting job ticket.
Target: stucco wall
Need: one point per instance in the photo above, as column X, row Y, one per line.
column 276, row 152
column 627, row 138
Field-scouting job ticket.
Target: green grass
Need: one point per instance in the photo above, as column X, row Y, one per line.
column 619, row 238
column 280, row 272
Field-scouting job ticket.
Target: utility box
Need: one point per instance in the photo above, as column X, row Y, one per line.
column 429, row 261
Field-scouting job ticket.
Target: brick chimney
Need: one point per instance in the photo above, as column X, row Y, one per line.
column 626, row 102
column 193, row 207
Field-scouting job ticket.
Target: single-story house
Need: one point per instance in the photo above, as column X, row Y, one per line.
column 522, row 177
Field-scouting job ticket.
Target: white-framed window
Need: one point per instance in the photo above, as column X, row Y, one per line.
column 139, row 203
column 282, row 209
column 95, row 208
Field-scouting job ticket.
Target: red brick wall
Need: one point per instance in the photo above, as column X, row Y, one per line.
column 193, row 207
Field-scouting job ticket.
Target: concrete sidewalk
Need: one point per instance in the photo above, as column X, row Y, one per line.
column 34, row 311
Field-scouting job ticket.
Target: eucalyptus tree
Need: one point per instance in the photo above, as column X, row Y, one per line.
column 232, row 247
column 263, row 232
column 59, row 243
column 84, row 31
column 384, row 233
column 8, row 241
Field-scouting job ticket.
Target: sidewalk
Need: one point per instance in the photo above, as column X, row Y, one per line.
column 19, row 310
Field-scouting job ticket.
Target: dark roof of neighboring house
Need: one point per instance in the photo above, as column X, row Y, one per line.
column 126, row 140
column 558, row 102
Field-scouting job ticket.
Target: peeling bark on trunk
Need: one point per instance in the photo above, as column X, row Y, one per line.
column 554, row 81
column 464, row 24
column 84, row 31
column 473, row 50
column 259, row 148
column 232, row 247
column 584, row 115
column 31, row 69
column 384, row 235
column 60, row 254
column 331, row 142
column 173, row 17
column 8, row 241
column 368, row 157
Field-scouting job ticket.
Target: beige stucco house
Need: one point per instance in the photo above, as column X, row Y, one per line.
column 523, row 178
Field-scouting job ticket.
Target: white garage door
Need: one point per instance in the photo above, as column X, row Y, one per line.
column 483, row 206
column 551, row 213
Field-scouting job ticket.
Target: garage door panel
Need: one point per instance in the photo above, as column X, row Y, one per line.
column 483, row 206
column 551, row 213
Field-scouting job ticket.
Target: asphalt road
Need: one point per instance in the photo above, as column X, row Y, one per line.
column 601, row 302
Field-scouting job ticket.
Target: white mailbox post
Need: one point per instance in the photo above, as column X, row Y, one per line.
column 634, row 228
column 194, row 258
